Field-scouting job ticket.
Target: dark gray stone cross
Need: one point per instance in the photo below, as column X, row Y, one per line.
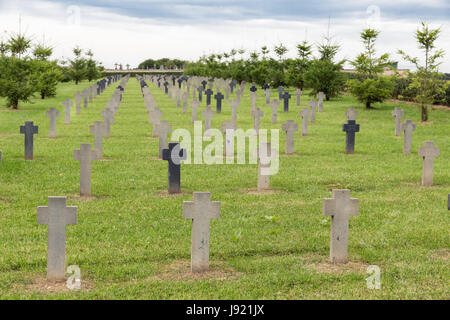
column 253, row 88
column 174, row 154
column 200, row 91
column 219, row 97
column 350, row 128
column 29, row 130
column 286, row 96
column 208, row 94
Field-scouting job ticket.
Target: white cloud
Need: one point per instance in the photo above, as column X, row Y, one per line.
column 119, row 38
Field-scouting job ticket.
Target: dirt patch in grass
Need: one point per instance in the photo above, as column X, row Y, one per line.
column 441, row 254
column 260, row 192
column 43, row 286
column 82, row 198
column 290, row 155
column 322, row 264
column 166, row 194
column 181, row 271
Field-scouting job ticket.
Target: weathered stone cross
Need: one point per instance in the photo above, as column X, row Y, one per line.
column 85, row 155
column 207, row 114
column 313, row 104
column 78, row 97
column 298, row 94
column 257, row 115
column 408, row 127
column 195, row 105
column 350, row 128
column 290, row 127
column 228, row 129
column 398, row 113
column 340, row 207
column 305, row 114
column 108, row 117
column 98, row 130
column 253, row 97
column 52, row 114
column 67, row 105
column 174, row 154
column 208, row 94
column 57, row 215
column 201, row 211
column 219, row 97
column 29, row 130
column 164, row 129
column 286, row 96
column 234, row 104
column 274, row 105
column 429, row 151
column 156, row 115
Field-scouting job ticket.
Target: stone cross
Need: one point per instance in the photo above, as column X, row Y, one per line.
column 108, row 117
column 164, row 129
column 52, row 114
column 320, row 96
column 351, row 114
column 267, row 93
column 29, row 130
column 85, row 97
column 204, row 82
column 408, row 127
column 340, row 207
column 173, row 155
column 185, row 97
column 298, row 94
column 219, row 97
column 178, row 93
column 229, row 139
column 195, row 105
column 156, row 116
column 200, row 91
column 286, row 96
column 429, row 151
column 290, row 127
column 208, row 94
column 234, row 106
column 264, row 155
column 78, row 97
column 98, row 130
column 280, row 92
column 201, row 211
column 312, row 104
column 398, row 113
column 350, row 128
column 253, row 97
column 67, row 105
column 57, row 215
column 207, row 114
column 85, row 155
column 305, row 114
column 274, row 105
column 257, row 115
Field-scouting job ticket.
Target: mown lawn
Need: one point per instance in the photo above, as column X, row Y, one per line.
column 132, row 243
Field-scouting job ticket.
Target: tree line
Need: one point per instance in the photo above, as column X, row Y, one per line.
column 317, row 68
column 26, row 69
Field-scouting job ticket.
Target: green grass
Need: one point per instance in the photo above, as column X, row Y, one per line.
column 132, row 243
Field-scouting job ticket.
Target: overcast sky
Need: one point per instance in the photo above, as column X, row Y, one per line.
column 132, row 31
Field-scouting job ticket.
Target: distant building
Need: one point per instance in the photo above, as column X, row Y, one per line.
column 388, row 71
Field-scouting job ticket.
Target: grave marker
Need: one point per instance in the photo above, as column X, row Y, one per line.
column 398, row 113
column 305, row 114
column 57, row 215
column 67, row 105
column 98, row 130
column 298, row 94
column 52, row 114
column 290, row 127
column 219, row 97
column 174, row 154
column 340, row 207
column 351, row 114
column 164, row 129
column 201, row 211
column 408, row 127
column 207, row 114
column 29, row 130
column 286, row 96
column 85, row 155
column 350, row 128
column 428, row 152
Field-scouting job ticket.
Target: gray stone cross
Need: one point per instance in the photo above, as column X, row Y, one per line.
column 298, row 94
column 398, row 113
column 164, row 129
column 228, row 128
column 253, row 97
column 29, row 130
column 194, row 105
column 57, row 215
column 235, row 103
column 313, row 105
column 201, row 211
column 340, row 207
column 274, row 105
column 156, row 115
column 290, row 127
column 257, row 115
column 408, row 127
column 67, row 105
column 305, row 113
column 208, row 114
column 108, row 117
column 78, row 97
column 85, row 155
column 52, row 114
column 429, row 151
column 98, row 131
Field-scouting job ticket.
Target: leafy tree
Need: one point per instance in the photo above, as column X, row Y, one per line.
column 280, row 51
column 47, row 72
column 77, row 66
column 323, row 73
column 19, row 44
column 297, row 68
column 92, row 70
column 371, row 87
column 427, row 78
